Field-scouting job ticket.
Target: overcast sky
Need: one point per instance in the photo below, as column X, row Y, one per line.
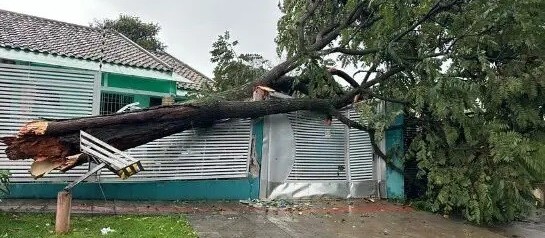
column 188, row 27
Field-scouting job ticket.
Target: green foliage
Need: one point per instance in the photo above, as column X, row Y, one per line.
column 142, row 33
column 471, row 74
column 4, row 183
column 473, row 79
column 233, row 69
column 319, row 82
column 481, row 109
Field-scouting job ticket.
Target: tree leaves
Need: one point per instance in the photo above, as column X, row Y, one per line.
column 232, row 69
column 472, row 79
column 142, row 33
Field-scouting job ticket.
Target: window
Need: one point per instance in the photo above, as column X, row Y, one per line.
column 111, row 102
column 6, row 61
column 155, row 101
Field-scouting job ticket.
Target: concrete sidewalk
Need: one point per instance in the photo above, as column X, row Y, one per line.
column 339, row 218
column 215, row 207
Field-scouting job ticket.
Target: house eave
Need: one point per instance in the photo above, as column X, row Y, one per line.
column 49, row 59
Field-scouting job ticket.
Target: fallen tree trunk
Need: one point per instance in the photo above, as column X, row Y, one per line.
column 55, row 144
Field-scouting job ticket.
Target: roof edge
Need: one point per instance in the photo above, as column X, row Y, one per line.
column 84, row 64
column 186, row 65
column 143, row 50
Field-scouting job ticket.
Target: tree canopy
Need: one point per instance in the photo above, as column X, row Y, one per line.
column 142, row 33
column 234, row 70
column 467, row 73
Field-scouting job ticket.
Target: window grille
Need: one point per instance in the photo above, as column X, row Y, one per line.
column 111, row 102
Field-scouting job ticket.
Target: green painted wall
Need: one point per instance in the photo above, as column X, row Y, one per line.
column 138, row 83
column 395, row 185
column 141, row 88
column 257, row 131
column 227, row 189
column 257, row 135
column 142, row 99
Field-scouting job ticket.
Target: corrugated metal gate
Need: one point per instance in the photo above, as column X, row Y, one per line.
column 360, row 153
column 303, row 157
column 30, row 92
column 222, row 151
column 319, row 149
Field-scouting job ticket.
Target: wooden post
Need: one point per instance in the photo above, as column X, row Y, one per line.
column 64, row 207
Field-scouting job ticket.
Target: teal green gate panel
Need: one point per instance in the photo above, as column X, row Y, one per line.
column 226, row 189
column 395, row 187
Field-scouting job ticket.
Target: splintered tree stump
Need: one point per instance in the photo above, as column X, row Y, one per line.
column 64, row 207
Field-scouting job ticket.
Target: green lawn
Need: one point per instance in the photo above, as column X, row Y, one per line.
column 43, row 225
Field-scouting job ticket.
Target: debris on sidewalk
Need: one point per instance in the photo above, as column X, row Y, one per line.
column 277, row 204
column 369, row 199
column 106, row 230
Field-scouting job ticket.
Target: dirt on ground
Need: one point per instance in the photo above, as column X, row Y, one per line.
column 357, row 218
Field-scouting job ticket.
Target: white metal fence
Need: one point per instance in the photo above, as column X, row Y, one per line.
column 222, row 151
column 28, row 93
column 304, row 157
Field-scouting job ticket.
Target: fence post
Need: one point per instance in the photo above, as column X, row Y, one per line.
column 64, row 207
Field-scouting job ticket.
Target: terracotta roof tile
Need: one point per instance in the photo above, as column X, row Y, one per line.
column 25, row 32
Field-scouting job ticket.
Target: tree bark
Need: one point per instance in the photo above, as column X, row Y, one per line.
column 57, row 142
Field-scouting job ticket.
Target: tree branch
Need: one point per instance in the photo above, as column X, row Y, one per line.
column 324, row 31
column 293, row 62
column 436, row 9
column 348, row 97
column 350, row 123
column 300, row 24
column 344, row 76
column 371, row 70
column 349, row 51
column 324, row 41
